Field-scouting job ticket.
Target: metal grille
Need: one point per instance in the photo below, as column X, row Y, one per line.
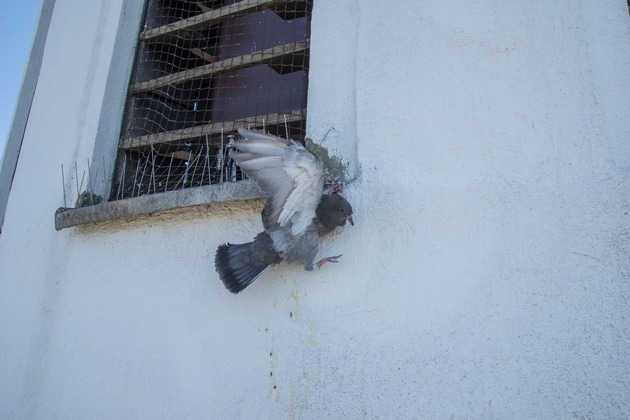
column 204, row 69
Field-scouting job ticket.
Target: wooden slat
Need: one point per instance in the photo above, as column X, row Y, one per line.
column 248, row 60
column 203, row 7
column 202, row 54
column 209, row 18
column 211, row 129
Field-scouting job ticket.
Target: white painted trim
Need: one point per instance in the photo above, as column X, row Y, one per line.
column 23, row 105
column 114, row 100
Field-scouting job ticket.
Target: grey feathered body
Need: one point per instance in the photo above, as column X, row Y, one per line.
column 297, row 250
column 295, row 216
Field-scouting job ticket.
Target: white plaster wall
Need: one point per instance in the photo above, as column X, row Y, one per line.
column 486, row 276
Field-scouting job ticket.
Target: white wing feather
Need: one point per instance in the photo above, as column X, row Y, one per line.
column 290, row 175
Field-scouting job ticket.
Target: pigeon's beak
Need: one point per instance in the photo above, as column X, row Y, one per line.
column 350, row 220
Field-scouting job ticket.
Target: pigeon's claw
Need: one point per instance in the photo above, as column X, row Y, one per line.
column 323, row 261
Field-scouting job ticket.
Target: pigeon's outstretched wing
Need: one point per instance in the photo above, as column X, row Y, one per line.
column 291, row 177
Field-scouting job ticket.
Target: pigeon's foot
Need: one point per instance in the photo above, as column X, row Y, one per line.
column 323, row 261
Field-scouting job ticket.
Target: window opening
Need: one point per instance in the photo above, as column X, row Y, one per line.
column 203, row 69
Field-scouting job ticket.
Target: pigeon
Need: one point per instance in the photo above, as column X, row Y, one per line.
column 296, row 214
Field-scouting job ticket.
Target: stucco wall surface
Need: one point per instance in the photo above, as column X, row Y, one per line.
column 487, row 274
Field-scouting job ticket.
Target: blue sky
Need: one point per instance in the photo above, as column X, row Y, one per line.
column 17, row 24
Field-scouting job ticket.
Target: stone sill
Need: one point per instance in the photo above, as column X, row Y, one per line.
column 230, row 193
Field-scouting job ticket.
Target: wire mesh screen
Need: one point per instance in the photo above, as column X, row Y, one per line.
column 203, row 69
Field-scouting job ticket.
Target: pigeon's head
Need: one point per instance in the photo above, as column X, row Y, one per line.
column 334, row 211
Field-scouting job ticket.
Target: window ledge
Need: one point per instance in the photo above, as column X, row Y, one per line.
column 229, row 193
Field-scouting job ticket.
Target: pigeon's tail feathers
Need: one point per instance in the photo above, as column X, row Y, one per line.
column 235, row 267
